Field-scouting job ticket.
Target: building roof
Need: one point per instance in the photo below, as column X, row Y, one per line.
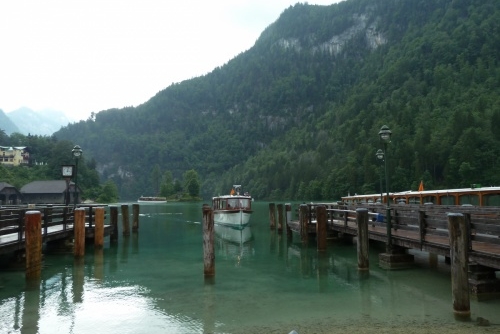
column 5, row 185
column 45, row 187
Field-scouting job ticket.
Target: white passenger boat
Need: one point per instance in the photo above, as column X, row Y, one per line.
column 234, row 209
column 152, row 199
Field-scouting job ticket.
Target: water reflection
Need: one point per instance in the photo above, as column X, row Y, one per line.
column 234, row 243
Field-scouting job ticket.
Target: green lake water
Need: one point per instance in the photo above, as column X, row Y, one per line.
column 152, row 282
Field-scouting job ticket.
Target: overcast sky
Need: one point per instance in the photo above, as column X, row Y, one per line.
column 90, row 55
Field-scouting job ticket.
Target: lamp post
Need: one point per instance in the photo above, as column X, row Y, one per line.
column 385, row 138
column 77, row 152
column 380, row 156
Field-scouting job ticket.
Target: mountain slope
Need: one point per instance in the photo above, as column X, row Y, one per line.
column 297, row 115
column 6, row 124
column 43, row 122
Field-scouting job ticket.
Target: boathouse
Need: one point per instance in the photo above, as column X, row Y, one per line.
column 9, row 195
column 48, row 192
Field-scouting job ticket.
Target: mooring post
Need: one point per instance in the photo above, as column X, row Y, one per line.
column 135, row 217
column 272, row 216
column 459, row 256
column 288, row 209
column 113, row 217
column 303, row 221
column 280, row 218
column 363, row 240
column 321, row 231
column 33, row 239
column 79, row 231
column 208, row 241
column 99, row 227
column 125, row 220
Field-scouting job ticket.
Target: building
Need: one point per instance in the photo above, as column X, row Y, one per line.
column 14, row 156
column 9, row 195
column 48, row 192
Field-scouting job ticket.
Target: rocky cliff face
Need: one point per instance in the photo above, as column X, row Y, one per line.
column 336, row 44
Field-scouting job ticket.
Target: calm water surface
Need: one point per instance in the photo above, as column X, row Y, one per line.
column 152, row 282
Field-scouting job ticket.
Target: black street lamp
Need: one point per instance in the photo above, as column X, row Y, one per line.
column 77, row 152
column 380, row 156
column 385, row 138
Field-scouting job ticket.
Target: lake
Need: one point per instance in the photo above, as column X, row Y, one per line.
column 152, row 282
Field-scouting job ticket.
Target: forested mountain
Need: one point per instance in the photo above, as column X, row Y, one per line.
column 297, row 116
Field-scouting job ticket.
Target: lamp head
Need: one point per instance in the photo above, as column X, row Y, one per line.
column 385, row 134
column 77, row 151
column 380, row 154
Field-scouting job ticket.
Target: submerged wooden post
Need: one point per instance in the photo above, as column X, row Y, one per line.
column 321, row 231
column 33, row 239
column 272, row 216
column 99, row 227
column 303, row 221
column 363, row 240
column 113, row 217
column 79, row 230
column 280, row 218
column 135, row 217
column 208, row 241
column 459, row 256
column 125, row 220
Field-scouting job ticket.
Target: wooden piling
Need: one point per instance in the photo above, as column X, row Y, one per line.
column 113, row 218
column 303, row 222
column 272, row 216
column 79, row 231
column 321, row 231
column 33, row 238
column 363, row 240
column 135, row 217
column 208, row 241
column 459, row 256
column 280, row 218
column 288, row 215
column 99, row 227
column 125, row 220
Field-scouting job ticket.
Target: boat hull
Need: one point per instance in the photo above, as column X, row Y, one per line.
column 233, row 234
column 234, row 218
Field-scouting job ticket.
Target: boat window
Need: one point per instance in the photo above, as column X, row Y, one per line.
column 233, row 203
column 448, row 200
column 429, row 199
column 414, row 200
column 244, row 203
column 491, row 200
column 469, row 199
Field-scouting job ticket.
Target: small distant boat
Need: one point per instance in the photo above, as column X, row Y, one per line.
column 152, row 199
column 234, row 209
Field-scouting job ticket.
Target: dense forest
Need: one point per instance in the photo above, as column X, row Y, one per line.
column 297, row 116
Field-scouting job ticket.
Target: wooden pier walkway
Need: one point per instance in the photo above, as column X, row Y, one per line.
column 57, row 224
column 420, row 227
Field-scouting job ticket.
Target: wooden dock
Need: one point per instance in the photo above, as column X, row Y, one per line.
column 57, row 224
column 422, row 227
column 411, row 227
